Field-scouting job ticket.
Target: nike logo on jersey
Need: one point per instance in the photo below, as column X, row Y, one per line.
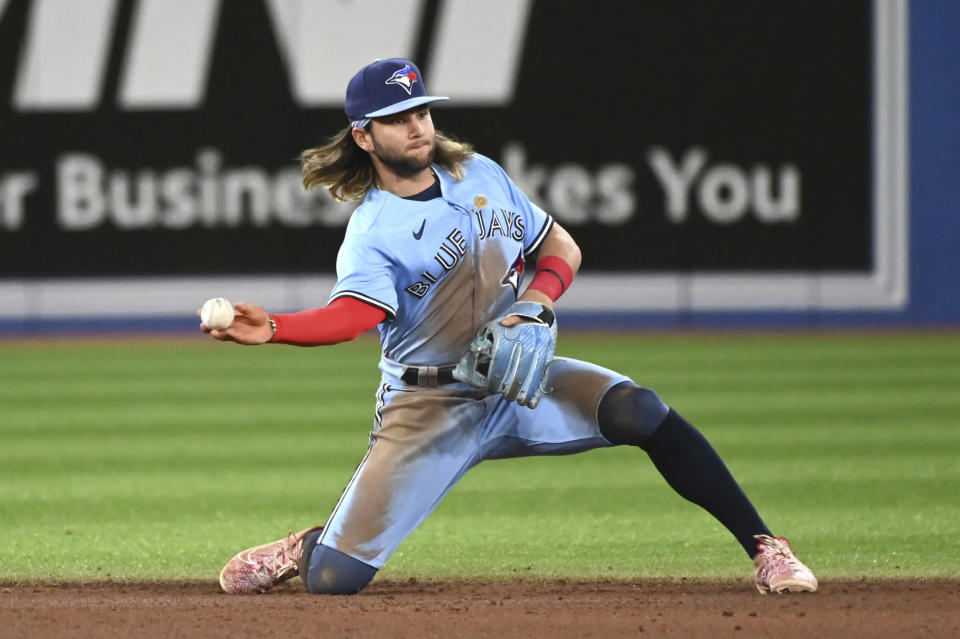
column 419, row 233
column 451, row 252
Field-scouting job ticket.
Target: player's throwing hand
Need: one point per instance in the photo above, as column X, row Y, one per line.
column 251, row 325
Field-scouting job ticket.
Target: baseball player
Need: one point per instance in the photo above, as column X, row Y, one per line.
column 435, row 256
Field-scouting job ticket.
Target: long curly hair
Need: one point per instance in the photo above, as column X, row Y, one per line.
column 344, row 169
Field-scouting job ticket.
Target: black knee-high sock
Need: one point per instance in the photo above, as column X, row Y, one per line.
column 692, row 468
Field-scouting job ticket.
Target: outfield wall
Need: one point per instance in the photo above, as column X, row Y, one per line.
column 788, row 164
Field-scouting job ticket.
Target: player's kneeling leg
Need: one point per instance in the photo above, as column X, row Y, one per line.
column 327, row 571
column 629, row 414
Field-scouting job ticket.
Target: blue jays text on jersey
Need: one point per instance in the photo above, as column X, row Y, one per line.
column 439, row 268
column 503, row 222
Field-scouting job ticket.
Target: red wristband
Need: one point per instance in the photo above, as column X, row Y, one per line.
column 553, row 277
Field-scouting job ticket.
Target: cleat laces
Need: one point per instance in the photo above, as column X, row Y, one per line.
column 777, row 550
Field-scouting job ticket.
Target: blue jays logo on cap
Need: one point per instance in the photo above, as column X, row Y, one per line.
column 405, row 77
column 371, row 92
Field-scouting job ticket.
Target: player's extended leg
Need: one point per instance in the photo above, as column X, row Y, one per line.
column 630, row 414
column 590, row 407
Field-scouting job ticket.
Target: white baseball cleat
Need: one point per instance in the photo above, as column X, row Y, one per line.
column 777, row 569
column 260, row 568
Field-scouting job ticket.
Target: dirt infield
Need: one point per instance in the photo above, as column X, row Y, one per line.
column 549, row 609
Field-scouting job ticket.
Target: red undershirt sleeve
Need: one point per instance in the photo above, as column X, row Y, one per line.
column 340, row 321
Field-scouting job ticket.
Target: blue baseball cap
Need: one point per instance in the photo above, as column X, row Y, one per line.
column 385, row 87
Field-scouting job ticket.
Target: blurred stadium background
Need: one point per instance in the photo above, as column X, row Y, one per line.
column 722, row 164
column 748, row 165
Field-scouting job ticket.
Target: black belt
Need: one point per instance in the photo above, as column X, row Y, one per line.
column 428, row 375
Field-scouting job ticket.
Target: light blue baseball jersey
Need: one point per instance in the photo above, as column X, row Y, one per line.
column 439, row 268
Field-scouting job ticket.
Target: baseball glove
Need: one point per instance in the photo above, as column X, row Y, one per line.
column 512, row 361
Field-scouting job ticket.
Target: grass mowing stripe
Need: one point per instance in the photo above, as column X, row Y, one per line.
column 126, row 459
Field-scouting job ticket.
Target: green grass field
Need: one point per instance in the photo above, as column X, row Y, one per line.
column 160, row 459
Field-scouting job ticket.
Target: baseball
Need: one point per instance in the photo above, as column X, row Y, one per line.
column 217, row 313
